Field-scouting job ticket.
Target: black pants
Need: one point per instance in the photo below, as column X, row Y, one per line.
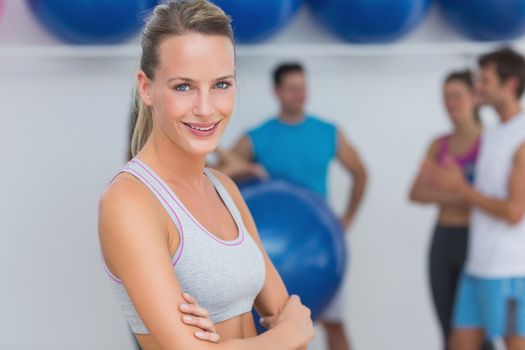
column 447, row 255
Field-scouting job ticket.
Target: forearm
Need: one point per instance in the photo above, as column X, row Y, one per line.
column 279, row 337
column 272, row 301
column 356, row 196
column 426, row 195
column 229, row 169
column 273, row 296
column 501, row 209
column 275, row 338
column 229, row 163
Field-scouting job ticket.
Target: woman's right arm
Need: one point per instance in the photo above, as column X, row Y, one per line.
column 134, row 243
column 421, row 192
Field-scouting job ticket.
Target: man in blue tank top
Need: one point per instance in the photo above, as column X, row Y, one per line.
column 299, row 148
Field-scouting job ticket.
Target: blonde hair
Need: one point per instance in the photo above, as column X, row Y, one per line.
column 175, row 17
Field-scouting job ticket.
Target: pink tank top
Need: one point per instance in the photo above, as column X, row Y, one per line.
column 466, row 161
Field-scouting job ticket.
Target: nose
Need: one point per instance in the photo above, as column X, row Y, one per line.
column 203, row 106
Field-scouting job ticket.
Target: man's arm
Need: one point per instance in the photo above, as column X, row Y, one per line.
column 510, row 209
column 351, row 161
column 236, row 167
column 243, row 149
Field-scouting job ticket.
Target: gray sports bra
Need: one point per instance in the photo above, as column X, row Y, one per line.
column 223, row 276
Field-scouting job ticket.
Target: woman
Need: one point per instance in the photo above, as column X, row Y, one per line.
column 449, row 243
column 167, row 224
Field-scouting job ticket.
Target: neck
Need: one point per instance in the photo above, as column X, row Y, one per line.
column 170, row 161
column 507, row 110
column 467, row 127
column 291, row 116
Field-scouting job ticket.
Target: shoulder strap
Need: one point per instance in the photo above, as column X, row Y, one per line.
column 158, row 188
column 224, row 194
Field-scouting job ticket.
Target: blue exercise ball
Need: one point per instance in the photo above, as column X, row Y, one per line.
column 91, row 21
column 370, row 21
column 257, row 20
column 302, row 237
column 486, row 19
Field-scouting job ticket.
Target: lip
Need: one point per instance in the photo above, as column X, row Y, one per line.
column 202, row 129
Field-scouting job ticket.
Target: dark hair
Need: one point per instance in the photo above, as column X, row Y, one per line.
column 508, row 64
column 285, row 68
column 466, row 78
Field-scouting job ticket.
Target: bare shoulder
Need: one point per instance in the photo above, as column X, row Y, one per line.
column 433, row 149
column 434, row 144
column 243, row 148
column 126, row 196
column 128, row 211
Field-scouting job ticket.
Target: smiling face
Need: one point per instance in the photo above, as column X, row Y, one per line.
column 459, row 101
column 192, row 94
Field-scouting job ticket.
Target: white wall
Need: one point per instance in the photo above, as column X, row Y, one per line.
column 64, row 129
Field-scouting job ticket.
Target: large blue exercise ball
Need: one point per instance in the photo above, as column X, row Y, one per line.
column 370, row 21
column 257, row 20
column 303, row 238
column 486, row 19
column 91, row 21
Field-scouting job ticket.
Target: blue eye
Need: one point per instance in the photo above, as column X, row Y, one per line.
column 182, row 87
column 222, row 85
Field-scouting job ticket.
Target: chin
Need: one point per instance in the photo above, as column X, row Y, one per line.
column 203, row 149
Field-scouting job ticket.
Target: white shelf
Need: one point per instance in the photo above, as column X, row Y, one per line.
column 266, row 50
column 69, row 51
column 371, row 50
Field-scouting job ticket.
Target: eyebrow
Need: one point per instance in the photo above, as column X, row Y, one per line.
column 189, row 80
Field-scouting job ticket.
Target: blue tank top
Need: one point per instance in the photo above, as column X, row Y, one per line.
column 299, row 153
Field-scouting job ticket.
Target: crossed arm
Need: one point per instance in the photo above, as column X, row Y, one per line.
column 449, row 178
column 134, row 240
column 423, row 192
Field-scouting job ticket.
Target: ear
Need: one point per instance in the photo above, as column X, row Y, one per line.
column 512, row 83
column 276, row 90
column 144, row 87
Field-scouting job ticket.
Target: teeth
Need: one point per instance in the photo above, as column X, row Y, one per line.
column 201, row 129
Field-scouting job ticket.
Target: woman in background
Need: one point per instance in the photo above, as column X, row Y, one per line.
column 449, row 242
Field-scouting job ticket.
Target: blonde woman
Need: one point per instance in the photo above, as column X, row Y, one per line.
column 169, row 225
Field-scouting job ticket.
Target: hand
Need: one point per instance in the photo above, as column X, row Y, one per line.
column 297, row 318
column 250, row 170
column 238, row 168
column 448, row 177
column 195, row 315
